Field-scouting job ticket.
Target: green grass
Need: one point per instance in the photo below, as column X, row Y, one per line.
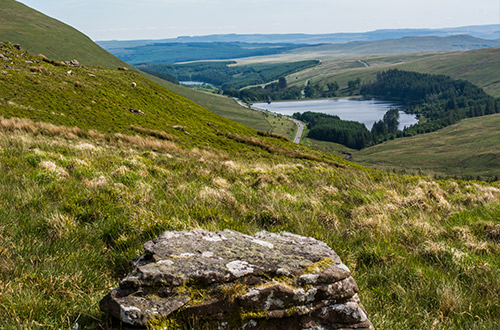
column 326, row 146
column 468, row 149
column 230, row 109
column 85, row 183
column 39, row 33
column 75, row 210
column 281, row 126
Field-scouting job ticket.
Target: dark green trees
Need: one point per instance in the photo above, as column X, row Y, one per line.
column 331, row 128
column 282, row 83
column 391, row 120
column 439, row 99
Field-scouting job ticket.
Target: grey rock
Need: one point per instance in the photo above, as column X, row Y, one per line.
column 229, row 280
column 136, row 111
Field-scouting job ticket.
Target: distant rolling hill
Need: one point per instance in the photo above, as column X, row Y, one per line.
column 468, row 149
column 480, row 67
column 491, row 31
column 183, row 52
column 403, row 46
column 169, row 52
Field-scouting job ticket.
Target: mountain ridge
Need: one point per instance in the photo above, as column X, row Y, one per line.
column 491, row 31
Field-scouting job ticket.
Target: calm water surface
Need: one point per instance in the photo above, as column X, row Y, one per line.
column 194, row 83
column 360, row 110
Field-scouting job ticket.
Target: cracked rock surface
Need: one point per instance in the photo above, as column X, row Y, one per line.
column 229, row 280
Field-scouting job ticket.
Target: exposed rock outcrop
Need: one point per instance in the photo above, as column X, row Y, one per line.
column 228, row 280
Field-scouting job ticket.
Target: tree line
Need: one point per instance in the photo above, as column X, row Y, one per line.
column 316, row 90
column 226, row 75
column 437, row 100
column 349, row 133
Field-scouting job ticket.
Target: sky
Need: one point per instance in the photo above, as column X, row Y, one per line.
column 157, row 19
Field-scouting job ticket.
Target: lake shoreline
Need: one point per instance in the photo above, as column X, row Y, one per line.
column 353, row 108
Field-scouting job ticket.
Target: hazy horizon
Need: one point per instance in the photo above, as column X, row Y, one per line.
column 161, row 19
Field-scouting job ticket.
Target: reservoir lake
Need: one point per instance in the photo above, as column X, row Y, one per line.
column 363, row 111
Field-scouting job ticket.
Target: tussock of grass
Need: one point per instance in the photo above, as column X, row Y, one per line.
column 423, row 252
column 154, row 133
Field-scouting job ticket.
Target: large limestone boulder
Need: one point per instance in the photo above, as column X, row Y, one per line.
column 228, row 280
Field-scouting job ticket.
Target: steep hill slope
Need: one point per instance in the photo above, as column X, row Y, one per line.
column 108, row 100
column 39, row 33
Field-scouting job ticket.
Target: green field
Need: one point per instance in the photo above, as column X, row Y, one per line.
column 468, row 149
column 86, row 182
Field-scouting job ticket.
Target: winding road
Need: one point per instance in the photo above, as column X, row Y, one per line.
column 299, row 124
column 300, row 130
column 364, row 63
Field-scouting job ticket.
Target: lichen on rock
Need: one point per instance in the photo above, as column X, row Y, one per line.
column 229, row 280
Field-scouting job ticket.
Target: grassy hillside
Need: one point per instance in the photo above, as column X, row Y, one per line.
column 106, row 100
column 480, row 67
column 39, row 33
column 230, row 109
column 468, row 149
column 85, row 182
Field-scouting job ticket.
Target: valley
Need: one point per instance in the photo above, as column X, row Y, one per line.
column 98, row 157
